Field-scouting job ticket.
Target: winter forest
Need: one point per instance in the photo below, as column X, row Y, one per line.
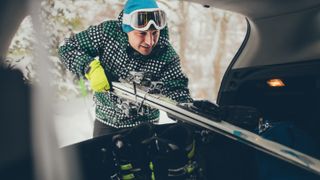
column 206, row 40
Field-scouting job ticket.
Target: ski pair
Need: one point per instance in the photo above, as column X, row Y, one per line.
column 142, row 153
column 215, row 124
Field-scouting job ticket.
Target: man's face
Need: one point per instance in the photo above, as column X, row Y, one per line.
column 143, row 41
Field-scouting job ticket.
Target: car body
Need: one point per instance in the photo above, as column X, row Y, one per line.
column 282, row 42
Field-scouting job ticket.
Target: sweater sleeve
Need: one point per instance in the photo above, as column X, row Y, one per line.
column 175, row 82
column 78, row 50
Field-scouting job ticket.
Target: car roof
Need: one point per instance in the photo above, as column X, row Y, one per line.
column 279, row 32
column 257, row 9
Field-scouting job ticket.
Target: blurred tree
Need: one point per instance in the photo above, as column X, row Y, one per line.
column 205, row 38
column 221, row 29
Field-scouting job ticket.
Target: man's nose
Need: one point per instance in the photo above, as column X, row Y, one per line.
column 149, row 39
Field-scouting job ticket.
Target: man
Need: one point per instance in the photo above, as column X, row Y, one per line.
column 137, row 41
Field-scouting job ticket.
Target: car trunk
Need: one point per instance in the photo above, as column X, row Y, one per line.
column 282, row 43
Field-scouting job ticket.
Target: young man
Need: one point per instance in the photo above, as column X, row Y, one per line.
column 137, row 41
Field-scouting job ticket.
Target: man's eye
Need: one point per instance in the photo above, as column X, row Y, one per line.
column 155, row 33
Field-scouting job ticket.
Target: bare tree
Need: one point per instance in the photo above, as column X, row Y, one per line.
column 222, row 26
column 204, row 38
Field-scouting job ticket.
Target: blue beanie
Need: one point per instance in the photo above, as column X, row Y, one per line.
column 133, row 5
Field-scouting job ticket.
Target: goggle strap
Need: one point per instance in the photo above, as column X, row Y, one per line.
column 145, row 10
column 126, row 19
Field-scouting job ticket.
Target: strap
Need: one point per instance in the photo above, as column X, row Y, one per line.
column 187, row 169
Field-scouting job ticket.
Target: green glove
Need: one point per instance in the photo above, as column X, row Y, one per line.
column 98, row 79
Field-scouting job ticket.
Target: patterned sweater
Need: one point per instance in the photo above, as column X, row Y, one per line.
column 108, row 42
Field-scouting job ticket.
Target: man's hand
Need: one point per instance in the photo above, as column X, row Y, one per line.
column 97, row 77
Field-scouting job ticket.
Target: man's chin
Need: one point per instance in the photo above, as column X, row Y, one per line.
column 145, row 52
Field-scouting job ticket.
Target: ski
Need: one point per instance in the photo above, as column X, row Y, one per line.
column 133, row 93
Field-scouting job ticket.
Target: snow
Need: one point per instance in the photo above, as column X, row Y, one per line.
column 74, row 120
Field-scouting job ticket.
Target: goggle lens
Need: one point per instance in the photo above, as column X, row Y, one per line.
column 141, row 19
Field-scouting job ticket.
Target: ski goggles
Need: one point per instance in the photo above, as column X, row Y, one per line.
column 142, row 19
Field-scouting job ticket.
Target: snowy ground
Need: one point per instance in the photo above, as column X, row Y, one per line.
column 74, row 120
